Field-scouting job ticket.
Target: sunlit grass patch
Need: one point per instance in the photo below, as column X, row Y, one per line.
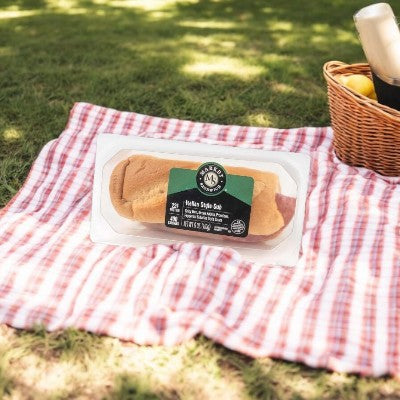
column 208, row 24
column 8, row 14
column 285, row 26
column 143, row 4
column 203, row 65
column 11, row 134
column 7, row 51
column 63, row 4
column 259, row 119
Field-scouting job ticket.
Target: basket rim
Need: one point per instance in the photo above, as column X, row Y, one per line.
column 334, row 67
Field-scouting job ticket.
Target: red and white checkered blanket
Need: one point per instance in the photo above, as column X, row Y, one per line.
column 338, row 308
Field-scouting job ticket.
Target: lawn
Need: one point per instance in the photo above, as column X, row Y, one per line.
column 255, row 62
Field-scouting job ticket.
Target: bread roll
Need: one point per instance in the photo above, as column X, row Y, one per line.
column 139, row 185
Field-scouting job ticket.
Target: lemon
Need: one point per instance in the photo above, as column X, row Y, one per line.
column 372, row 96
column 342, row 79
column 359, row 83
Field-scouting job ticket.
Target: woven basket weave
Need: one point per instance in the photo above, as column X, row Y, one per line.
column 366, row 133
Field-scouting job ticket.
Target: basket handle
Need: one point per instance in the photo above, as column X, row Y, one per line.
column 332, row 66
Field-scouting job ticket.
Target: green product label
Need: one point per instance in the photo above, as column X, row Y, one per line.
column 209, row 200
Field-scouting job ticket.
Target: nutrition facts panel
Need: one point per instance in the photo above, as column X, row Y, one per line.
column 207, row 216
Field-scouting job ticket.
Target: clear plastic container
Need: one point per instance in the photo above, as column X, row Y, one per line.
column 281, row 247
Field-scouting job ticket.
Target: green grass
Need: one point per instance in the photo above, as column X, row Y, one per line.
column 252, row 62
column 72, row 364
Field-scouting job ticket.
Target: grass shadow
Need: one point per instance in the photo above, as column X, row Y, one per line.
column 129, row 387
column 24, row 4
column 6, row 383
column 336, row 13
column 68, row 344
column 267, row 378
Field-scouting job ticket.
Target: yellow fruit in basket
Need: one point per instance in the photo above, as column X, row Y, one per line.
column 358, row 82
column 372, row 96
column 342, row 79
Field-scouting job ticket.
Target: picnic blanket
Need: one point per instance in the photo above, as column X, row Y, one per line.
column 339, row 308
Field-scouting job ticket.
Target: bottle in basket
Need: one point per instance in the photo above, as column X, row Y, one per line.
column 380, row 38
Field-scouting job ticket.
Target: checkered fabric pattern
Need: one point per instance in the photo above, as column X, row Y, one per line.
column 339, row 308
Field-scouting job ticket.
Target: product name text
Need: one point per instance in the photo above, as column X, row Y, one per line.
column 202, row 204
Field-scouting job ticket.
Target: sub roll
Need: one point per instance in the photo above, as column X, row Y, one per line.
column 138, row 191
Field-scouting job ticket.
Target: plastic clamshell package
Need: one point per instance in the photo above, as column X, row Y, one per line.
column 107, row 226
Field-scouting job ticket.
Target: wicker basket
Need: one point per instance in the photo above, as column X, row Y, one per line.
column 366, row 133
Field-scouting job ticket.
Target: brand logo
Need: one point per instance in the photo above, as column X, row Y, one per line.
column 211, row 178
column 238, row 226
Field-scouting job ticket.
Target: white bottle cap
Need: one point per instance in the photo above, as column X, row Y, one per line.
column 380, row 39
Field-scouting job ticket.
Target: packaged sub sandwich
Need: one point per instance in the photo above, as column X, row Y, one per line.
column 149, row 191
